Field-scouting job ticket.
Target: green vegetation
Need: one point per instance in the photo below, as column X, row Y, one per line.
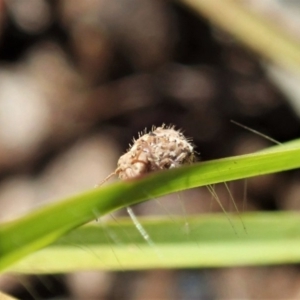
column 42, row 227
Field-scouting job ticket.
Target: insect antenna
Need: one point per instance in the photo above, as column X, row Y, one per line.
column 107, row 178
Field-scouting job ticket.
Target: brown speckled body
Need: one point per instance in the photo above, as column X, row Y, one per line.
column 162, row 148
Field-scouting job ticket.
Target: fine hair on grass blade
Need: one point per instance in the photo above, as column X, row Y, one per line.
column 256, row 132
column 183, row 209
column 143, row 232
column 234, row 204
column 216, row 197
column 108, row 237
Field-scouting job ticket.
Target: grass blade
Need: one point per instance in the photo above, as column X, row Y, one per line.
column 40, row 228
column 272, row 238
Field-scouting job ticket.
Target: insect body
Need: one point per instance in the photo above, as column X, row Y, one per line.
column 162, row 148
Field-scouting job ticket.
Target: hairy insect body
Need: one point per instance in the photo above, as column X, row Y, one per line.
column 162, row 148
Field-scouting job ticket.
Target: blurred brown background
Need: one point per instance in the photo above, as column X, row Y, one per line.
column 79, row 79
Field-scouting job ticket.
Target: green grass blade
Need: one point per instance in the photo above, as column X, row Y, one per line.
column 40, row 228
column 271, row 238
